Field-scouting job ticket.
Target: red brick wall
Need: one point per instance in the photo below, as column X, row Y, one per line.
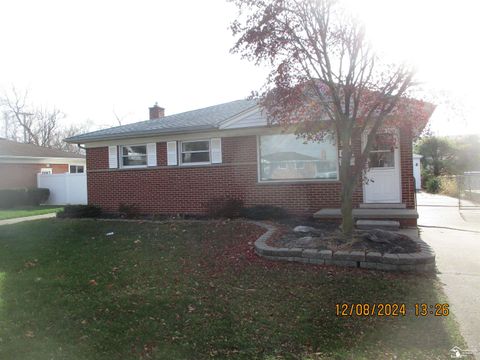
column 162, row 154
column 25, row 175
column 406, row 166
column 174, row 189
column 357, row 149
column 97, row 158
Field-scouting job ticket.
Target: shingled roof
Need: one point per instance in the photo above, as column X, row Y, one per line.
column 9, row 148
column 209, row 118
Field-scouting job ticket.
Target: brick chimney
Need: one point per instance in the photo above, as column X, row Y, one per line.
column 156, row 112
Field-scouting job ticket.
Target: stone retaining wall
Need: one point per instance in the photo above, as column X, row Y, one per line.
column 423, row 261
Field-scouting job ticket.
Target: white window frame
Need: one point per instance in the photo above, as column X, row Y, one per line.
column 259, row 167
column 121, row 156
column 180, row 152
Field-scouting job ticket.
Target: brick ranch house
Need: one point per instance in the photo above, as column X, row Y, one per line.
column 20, row 163
column 175, row 164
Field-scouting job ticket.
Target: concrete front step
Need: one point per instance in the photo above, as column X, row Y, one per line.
column 377, row 214
column 382, row 206
column 377, row 224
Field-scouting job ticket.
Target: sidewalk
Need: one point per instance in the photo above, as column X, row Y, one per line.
column 455, row 237
column 28, row 218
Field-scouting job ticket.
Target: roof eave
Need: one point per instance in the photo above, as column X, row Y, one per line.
column 40, row 156
column 137, row 134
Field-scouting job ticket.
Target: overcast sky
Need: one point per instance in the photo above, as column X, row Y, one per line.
column 94, row 58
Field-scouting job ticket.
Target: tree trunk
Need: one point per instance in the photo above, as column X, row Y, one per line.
column 347, row 207
column 347, row 186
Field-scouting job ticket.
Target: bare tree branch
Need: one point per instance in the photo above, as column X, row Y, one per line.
column 35, row 125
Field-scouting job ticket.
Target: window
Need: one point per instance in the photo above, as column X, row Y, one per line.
column 382, row 154
column 286, row 157
column 76, row 169
column 299, row 165
column 134, row 155
column 195, row 152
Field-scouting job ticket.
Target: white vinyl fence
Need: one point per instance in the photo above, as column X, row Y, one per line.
column 64, row 188
column 469, row 190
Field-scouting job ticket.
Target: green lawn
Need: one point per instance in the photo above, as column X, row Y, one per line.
column 195, row 291
column 28, row 211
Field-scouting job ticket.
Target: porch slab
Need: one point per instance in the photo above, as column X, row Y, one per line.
column 334, row 213
column 382, row 206
column 377, row 224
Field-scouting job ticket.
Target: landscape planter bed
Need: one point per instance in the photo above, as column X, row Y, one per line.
column 422, row 261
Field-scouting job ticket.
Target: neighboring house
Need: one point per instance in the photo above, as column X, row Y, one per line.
column 417, row 171
column 20, row 163
column 176, row 164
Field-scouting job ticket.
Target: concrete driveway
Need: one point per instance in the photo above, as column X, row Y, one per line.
column 455, row 237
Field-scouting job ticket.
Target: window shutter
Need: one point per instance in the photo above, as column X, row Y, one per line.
column 152, row 154
column 112, row 157
column 216, row 149
column 172, row 153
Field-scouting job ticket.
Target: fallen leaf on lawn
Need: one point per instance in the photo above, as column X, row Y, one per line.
column 92, row 282
column 137, row 241
column 191, row 308
column 30, row 264
column 29, row 334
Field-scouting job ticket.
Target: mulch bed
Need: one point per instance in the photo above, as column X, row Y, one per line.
column 329, row 237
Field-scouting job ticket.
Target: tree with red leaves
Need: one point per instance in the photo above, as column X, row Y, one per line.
column 326, row 79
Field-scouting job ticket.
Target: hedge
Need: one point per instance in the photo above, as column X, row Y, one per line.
column 80, row 211
column 10, row 198
column 264, row 212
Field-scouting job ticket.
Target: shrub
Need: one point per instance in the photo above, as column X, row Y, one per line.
column 80, row 211
column 10, row 198
column 433, row 185
column 426, row 176
column 448, row 185
column 224, row 206
column 37, row 196
column 128, row 211
column 264, row 212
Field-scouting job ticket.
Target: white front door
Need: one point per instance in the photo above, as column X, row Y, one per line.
column 383, row 177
